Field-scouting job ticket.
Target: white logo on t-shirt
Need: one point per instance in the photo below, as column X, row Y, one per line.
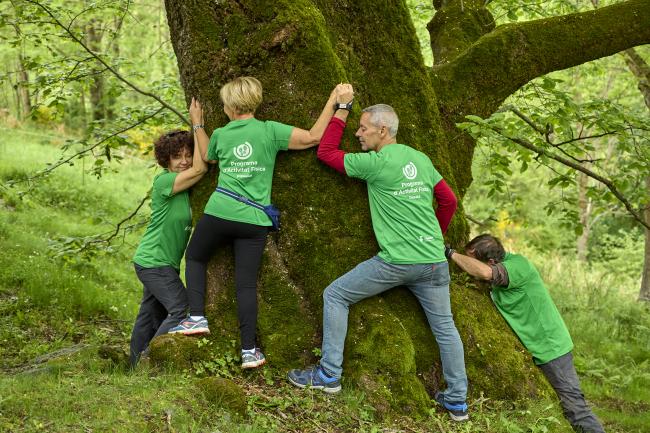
column 243, row 151
column 410, row 170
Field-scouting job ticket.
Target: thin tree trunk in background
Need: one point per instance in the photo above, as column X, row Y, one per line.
column 585, row 204
column 24, row 97
column 109, row 99
column 641, row 70
column 97, row 87
column 82, row 107
column 644, row 292
column 584, row 209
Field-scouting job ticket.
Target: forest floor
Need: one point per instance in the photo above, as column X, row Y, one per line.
column 65, row 321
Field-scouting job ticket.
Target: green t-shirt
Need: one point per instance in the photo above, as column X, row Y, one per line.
column 529, row 310
column 246, row 151
column 168, row 232
column 400, row 190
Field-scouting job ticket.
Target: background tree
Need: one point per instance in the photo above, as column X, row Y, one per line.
column 641, row 71
column 300, row 50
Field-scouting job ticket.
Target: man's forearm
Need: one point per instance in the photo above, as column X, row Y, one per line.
column 328, row 150
column 472, row 266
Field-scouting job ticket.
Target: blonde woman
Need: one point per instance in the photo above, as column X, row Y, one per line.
column 245, row 149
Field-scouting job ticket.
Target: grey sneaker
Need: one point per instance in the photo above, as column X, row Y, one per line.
column 252, row 360
column 190, row 326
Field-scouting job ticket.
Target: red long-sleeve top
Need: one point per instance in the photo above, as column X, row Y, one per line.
column 330, row 154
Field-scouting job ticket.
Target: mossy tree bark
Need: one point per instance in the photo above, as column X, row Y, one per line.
column 300, row 49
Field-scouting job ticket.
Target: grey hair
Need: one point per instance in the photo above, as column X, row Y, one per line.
column 383, row 115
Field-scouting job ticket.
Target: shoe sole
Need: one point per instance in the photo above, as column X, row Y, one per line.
column 458, row 418
column 192, row 331
column 253, row 364
column 324, row 389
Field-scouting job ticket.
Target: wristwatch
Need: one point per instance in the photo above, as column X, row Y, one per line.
column 195, row 127
column 343, row 106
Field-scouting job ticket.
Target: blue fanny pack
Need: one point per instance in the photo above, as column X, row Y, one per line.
column 271, row 211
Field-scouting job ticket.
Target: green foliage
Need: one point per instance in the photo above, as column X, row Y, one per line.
column 64, row 204
column 618, row 250
column 602, row 135
column 65, row 84
column 223, row 364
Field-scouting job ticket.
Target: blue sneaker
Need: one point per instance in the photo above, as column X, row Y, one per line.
column 457, row 410
column 190, row 326
column 315, row 378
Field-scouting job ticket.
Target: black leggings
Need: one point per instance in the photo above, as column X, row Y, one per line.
column 248, row 241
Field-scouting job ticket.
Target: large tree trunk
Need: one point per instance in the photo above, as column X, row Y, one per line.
column 299, row 49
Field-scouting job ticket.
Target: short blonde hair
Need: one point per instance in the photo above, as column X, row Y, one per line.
column 242, row 95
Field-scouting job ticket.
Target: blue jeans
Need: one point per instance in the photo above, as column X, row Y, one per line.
column 430, row 285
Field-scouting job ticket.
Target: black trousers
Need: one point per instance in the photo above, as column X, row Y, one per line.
column 248, row 241
column 163, row 306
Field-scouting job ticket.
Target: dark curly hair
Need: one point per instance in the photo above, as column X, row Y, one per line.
column 171, row 144
column 487, row 247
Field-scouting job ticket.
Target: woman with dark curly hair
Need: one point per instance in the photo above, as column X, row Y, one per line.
column 158, row 257
column 245, row 149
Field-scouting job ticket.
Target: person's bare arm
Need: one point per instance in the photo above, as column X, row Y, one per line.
column 187, row 178
column 304, row 139
column 472, row 266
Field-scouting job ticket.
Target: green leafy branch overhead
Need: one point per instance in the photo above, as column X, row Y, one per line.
column 598, row 138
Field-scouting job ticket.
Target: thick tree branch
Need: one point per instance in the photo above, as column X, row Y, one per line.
column 500, row 62
column 119, row 76
column 540, row 151
column 456, row 25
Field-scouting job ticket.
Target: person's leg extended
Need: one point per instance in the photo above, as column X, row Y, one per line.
column 168, row 289
column 432, row 290
column 562, row 376
column 366, row 279
column 149, row 318
column 249, row 247
column 207, row 236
